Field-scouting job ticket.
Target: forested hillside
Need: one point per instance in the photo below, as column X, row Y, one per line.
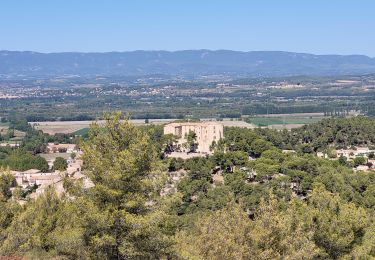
column 341, row 132
column 296, row 206
column 334, row 132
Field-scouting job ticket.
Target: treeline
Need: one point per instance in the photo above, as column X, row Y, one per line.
column 21, row 160
column 335, row 132
column 340, row 132
column 267, row 107
column 39, row 118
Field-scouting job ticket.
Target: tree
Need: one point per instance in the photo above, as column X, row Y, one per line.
column 20, row 160
column 366, row 250
column 220, row 235
column 332, row 153
column 47, row 226
column 343, row 160
column 6, row 182
column 168, row 143
column 60, row 164
column 282, row 234
column 175, row 164
column 258, row 146
column 338, row 226
column 359, row 160
column 227, row 161
column 191, row 139
column 119, row 159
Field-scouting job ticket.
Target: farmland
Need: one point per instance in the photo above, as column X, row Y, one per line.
column 284, row 120
column 67, row 127
column 81, row 127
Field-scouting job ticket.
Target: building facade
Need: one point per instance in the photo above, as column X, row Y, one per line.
column 206, row 133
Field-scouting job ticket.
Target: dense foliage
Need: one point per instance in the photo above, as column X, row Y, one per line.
column 21, row 160
column 60, row 164
column 266, row 205
column 339, row 132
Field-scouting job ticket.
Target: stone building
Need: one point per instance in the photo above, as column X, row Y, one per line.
column 206, row 133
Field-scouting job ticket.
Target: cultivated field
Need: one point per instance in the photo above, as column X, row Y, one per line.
column 79, row 127
column 67, row 127
column 61, row 127
column 284, row 120
column 53, row 156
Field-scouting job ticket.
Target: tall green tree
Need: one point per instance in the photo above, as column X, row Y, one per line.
column 119, row 159
column 7, row 180
column 219, row 235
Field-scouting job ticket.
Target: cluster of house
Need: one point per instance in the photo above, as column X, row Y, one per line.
column 35, row 179
column 351, row 154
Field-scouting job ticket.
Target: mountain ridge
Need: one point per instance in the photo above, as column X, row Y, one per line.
column 184, row 62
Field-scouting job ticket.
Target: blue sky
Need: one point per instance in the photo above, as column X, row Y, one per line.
column 313, row 26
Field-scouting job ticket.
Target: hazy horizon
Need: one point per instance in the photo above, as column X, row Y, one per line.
column 316, row 27
column 181, row 50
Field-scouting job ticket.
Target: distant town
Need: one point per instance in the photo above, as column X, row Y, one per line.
column 75, row 98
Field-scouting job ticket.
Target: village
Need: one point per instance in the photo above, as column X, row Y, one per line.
column 362, row 158
column 34, row 182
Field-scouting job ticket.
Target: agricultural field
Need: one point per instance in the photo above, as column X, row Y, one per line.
column 81, row 127
column 284, row 120
column 82, row 132
column 53, row 156
column 61, row 127
column 277, row 122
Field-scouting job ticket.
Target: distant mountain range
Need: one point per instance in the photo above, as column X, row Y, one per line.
column 183, row 63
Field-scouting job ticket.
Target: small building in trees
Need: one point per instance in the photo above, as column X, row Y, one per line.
column 195, row 136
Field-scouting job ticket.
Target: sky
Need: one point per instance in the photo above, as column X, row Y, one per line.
column 310, row 26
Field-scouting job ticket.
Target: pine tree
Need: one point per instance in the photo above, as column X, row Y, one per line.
column 119, row 159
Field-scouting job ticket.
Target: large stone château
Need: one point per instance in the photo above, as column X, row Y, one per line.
column 206, row 133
